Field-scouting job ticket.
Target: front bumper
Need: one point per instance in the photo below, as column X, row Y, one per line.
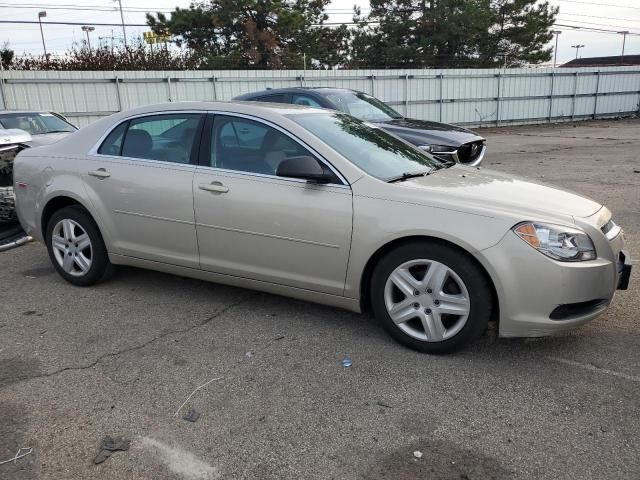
column 539, row 296
column 624, row 271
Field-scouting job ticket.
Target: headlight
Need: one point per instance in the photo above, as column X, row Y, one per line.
column 437, row 148
column 560, row 243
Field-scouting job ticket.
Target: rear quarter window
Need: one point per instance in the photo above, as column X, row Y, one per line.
column 112, row 145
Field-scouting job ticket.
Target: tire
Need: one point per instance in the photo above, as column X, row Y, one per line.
column 440, row 299
column 76, row 247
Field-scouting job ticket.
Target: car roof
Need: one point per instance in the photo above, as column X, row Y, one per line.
column 24, row 111
column 258, row 108
column 84, row 139
column 272, row 91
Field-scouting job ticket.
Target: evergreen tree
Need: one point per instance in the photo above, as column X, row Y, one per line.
column 454, row 33
column 258, row 33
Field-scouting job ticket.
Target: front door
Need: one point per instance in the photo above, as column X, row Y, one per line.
column 254, row 224
column 140, row 183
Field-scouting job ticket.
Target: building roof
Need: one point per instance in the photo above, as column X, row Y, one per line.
column 613, row 61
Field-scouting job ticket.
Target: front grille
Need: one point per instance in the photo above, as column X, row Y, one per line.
column 468, row 152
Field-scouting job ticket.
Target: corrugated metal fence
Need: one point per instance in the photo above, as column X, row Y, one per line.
column 468, row 97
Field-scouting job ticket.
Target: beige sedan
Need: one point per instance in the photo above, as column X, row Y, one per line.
column 320, row 206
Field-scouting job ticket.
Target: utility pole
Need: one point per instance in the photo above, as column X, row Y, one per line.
column 41, row 15
column 577, row 47
column 555, row 50
column 124, row 30
column 86, row 29
column 624, row 40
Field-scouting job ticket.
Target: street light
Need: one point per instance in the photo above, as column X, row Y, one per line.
column 124, row 30
column 555, row 51
column 86, row 29
column 41, row 15
column 577, row 47
column 624, row 40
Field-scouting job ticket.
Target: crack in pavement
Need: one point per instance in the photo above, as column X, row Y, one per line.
column 557, row 149
column 620, row 141
column 140, row 346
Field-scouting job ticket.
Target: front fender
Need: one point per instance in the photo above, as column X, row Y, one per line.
column 379, row 222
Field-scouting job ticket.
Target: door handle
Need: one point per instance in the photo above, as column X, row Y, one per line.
column 216, row 187
column 100, row 173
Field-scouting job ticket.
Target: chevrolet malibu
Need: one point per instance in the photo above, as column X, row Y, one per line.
column 324, row 207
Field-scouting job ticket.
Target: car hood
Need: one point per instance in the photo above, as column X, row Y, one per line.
column 423, row 132
column 493, row 191
column 47, row 138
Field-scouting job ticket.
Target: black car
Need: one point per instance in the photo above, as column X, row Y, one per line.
column 442, row 140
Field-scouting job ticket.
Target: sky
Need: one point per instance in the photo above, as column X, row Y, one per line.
column 615, row 15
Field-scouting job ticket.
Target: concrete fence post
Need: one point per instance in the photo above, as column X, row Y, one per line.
column 440, row 97
column 168, row 79
column 215, row 89
column 575, row 93
column 550, row 113
column 499, row 75
column 118, row 94
column 595, row 102
column 406, row 95
column 3, row 96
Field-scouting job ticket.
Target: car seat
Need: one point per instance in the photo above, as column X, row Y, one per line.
column 137, row 144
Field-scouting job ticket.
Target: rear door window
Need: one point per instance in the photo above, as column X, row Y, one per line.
column 167, row 138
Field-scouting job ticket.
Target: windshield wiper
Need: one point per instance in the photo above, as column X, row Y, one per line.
column 408, row 175
column 57, row 131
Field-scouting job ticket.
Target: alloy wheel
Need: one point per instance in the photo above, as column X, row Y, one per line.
column 427, row 300
column 72, row 247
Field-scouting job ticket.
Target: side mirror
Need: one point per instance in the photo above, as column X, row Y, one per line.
column 303, row 167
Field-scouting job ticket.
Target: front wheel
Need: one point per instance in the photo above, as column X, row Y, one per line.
column 431, row 297
column 75, row 246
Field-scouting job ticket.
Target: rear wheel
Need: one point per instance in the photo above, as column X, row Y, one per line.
column 75, row 246
column 430, row 297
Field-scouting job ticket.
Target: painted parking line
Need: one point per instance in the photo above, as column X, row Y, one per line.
column 593, row 368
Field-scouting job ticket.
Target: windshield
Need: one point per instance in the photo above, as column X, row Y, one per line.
column 35, row 123
column 363, row 106
column 373, row 150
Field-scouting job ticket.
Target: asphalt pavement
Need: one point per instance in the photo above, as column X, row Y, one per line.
column 119, row 359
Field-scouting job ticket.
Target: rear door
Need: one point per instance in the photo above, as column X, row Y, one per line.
column 140, row 182
column 254, row 224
